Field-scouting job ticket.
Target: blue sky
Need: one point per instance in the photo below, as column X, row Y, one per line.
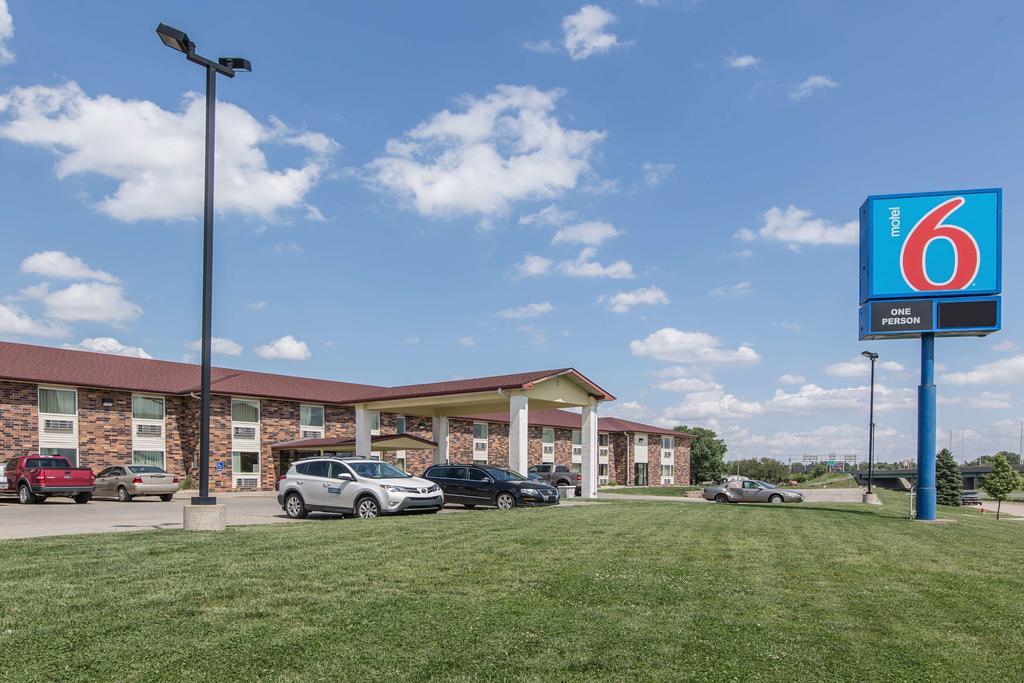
column 660, row 194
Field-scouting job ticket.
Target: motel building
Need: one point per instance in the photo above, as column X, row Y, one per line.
column 100, row 410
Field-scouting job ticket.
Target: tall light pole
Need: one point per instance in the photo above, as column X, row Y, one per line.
column 225, row 66
column 1020, row 448
column 871, row 421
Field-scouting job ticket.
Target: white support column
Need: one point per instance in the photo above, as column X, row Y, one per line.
column 362, row 432
column 439, row 426
column 588, row 473
column 518, row 434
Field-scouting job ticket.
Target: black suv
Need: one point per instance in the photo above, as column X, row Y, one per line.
column 472, row 485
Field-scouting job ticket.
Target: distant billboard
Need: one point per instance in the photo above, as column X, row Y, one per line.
column 931, row 244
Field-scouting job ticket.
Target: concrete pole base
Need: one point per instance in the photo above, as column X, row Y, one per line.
column 205, row 518
column 871, row 499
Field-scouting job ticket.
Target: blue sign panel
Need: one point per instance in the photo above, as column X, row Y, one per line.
column 220, row 466
column 946, row 317
column 932, row 244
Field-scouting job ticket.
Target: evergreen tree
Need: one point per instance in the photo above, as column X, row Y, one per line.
column 949, row 483
column 1001, row 481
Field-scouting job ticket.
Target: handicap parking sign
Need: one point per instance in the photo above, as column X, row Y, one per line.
column 220, row 465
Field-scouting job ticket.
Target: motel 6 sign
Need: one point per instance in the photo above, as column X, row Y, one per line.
column 931, row 263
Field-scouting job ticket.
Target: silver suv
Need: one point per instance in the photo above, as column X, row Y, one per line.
column 351, row 486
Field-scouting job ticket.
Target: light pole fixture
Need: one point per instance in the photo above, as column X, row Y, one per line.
column 1020, row 448
column 871, row 421
column 225, row 66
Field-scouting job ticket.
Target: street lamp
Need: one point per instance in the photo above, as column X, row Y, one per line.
column 225, row 66
column 871, row 421
column 1020, row 448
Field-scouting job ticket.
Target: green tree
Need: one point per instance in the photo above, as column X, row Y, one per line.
column 1001, row 481
column 765, row 469
column 949, row 484
column 989, row 460
column 707, row 454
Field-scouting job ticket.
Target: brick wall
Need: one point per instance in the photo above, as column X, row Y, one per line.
column 19, row 419
column 104, row 434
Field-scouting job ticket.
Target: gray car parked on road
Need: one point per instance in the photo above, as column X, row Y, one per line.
column 750, row 491
column 354, row 486
column 126, row 482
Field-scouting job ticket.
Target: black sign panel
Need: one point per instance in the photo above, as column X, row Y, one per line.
column 901, row 316
column 960, row 314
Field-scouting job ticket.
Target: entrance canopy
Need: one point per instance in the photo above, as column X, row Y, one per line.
column 383, row 442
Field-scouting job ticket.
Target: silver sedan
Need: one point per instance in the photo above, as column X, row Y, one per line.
column 750, row 491
column 125, row 482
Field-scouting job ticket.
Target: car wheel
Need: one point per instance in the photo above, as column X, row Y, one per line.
column 367, row 508
column 167, row 497
column 123, row 496
column 294, row 507
column 775, row 500
column 721, row 498
column 83, row 498
column 505, row 501
column 25, row 495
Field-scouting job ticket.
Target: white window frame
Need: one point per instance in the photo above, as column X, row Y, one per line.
column 547, row 448
column 670, row 478
column 480, row 443
column 403, row 422
column 247, row 445
column 668, row 454
column 163, row 457
column 577, row 448
column 58, row 438
column 149, row 442
column 312, row 431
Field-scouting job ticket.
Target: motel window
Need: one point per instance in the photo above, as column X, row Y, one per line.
column 400, row 426
column 374, row 422
column 667, row 443
column 245, row 410
column 640, row 474
column 480, row 441
column 243, row 462
column 400, row 460
column 147, row 408
column 602, row 471
column 577, row 443
column 58, row 401
column 70, row 453
column 547, row 439
column 668, row 473
column 311, row 416
column 155, row 458
column 602, row 440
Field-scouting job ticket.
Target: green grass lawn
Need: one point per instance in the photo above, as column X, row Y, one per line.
column 832, row 480
column 619, row 591
column 652, row 490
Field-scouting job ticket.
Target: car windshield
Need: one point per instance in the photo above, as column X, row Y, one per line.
column 145, row 469
column 47, row 462
column 501, row 474
column 765, row 484
column 377, row 470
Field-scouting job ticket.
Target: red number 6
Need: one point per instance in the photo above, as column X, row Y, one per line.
column 966, row 256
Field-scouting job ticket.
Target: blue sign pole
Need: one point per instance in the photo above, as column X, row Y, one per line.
column 926, row 431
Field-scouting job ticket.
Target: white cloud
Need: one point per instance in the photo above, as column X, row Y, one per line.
column 113, row 347
column 6, row 33
column 583, row 266
column 712, row 403
column 790, row 326
column 467, row 342
column 811, row 397
column 986, row 400
column 795, row 227
column 257, row 305
column 153, row 153
column 621, row 302
column 688, row 385
column 677, row 346
column 809, row 85
column 505, row 147
column 1006, row 345
column 858, row 366
column 743, row 253
column 742, row 61
column 585, row 33
column 787, row 378
column 544, row 47
column 591, row 233
column 549, row 215
column 533, row 265
column 16, row 322
column 57, row 264
column 90, row 301
column 655, row 174
column 527, row 311
column 411, row 341
column 736, row 290
column 288, row 248
column 285, row 348
column 1004, row 371
column 632, row 410
column 219, row 345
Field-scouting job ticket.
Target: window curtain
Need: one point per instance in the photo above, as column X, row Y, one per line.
column 243, row 410
column 147, row 408
column 312, row 416
column 155, row 458
column 57, row 402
